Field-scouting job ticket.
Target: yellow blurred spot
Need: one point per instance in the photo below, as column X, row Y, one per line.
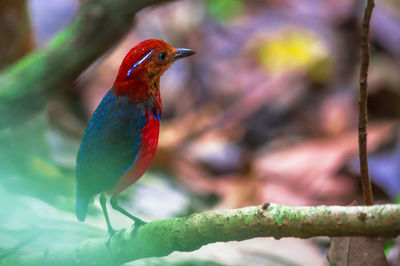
column 294, row 50
column 43, row 168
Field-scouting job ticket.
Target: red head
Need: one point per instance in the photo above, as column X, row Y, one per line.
column 140, row 71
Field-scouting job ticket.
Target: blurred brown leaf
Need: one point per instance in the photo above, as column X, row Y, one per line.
column 309, row 172
column 354, row 251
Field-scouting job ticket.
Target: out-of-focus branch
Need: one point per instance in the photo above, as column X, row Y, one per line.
column 26, row 86
column 16, row 37
column 160, row 238
column 362, row 105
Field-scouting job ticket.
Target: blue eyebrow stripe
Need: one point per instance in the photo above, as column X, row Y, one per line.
column 138, row 63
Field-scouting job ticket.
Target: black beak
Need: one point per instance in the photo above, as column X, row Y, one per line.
column 182, row 52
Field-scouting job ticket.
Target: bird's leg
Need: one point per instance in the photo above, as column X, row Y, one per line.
column 114, row 204
column 111, row 230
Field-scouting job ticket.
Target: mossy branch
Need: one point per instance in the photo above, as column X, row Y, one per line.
column 161, row 237
column 26, row 86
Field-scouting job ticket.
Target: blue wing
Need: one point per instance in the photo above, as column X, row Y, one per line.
column 110, row 145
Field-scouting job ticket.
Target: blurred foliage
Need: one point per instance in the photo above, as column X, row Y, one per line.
column 42, row 225
column 28, row 167
column 224, row 10
column 388, row 246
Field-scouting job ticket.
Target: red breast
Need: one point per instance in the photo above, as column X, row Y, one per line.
column 148, row 149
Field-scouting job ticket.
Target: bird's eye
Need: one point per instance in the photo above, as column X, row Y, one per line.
column 162, row 56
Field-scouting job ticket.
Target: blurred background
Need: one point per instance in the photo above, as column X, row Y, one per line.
column 265, row 112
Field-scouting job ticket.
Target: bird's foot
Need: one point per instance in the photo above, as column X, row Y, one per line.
column 138, row 223
column 111, row 233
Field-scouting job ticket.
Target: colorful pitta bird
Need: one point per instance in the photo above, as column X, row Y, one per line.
column 122, row 136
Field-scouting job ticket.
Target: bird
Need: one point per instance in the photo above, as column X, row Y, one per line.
column 121, row 138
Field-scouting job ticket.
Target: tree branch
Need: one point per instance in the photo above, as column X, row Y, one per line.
column 362, row 105
column 16, row 35
column 160, row 238
column 26, row 86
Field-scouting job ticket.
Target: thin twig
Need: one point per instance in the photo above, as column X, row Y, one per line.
column 362, row 105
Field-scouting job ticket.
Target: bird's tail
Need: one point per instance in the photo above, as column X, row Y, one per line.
column 82, row 203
